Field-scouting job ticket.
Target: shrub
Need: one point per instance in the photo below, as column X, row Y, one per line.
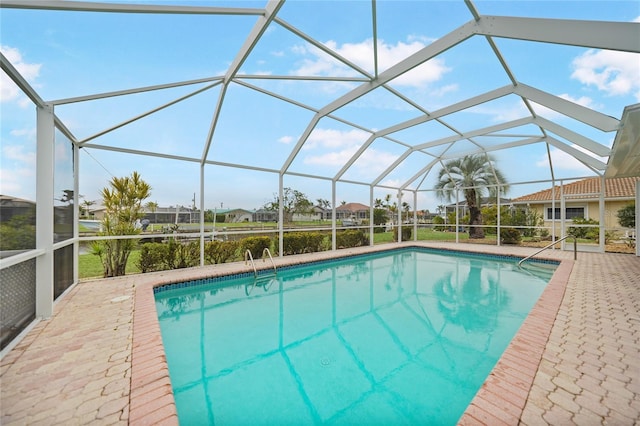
column 438, row 221
column 302, row 242
column 510, row 236
column 591, row 233
column 406, row 233
column 221, row 251
column 167, row 256
column 255, row 245
column 627, row 216
column 351, row 238
column 182, row 255
column 152, row 257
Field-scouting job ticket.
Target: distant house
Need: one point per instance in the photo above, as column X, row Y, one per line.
column 582, row 200
column 171, row 214
column 12, row 206
column 352, row 211
column 238, row 215
column 316, row 213
column 264, row 215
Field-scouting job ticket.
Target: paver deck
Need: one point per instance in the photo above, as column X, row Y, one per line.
column 99, row 359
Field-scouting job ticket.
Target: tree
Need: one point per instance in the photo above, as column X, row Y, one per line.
column 293, row 201
column 475, row 174
column 406, row 208
column 152, row 206
column 84, row 207
column 325, row 204
column 19, row 232
column 380, row 217
column 627, row 216
column 123, row 207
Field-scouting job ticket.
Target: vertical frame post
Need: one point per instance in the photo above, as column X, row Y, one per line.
column 44, row 209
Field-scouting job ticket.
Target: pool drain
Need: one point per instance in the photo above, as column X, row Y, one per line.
column 325, row 361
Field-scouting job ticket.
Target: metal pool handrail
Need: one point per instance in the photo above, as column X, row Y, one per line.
column 575, row 248
column 248, row 256
column 266, row 250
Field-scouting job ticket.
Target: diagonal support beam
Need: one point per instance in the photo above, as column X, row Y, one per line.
column 577, row 154
column 621, row 36
column 86, row 6
column 441, row 45
column 20, row 81
column 479, row 132
column 587, row 116
column 467, row 103
column 576, row 138
column 258, row 29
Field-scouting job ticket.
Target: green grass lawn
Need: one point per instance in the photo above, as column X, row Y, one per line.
column 90, row 266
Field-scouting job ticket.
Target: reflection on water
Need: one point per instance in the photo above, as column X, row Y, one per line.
column 471, row 300
column 402, row 337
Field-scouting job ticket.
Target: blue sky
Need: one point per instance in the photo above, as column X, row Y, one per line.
column 68, row 54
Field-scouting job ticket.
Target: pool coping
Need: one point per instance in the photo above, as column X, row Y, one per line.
column 500, row 400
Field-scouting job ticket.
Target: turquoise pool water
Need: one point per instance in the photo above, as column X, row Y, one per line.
column 400, row 337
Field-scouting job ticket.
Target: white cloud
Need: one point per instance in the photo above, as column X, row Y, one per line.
column 441, row 91
column 331, row 139
column 8, row 90
column 361, row 54
column 615, row 73
column 30, row 134
column 17, row 175
column 286, row 139
column 372, row 162
column 340, row 146
column 17, row 154
column 332, row 158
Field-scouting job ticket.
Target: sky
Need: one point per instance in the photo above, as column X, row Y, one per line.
column 66, row 54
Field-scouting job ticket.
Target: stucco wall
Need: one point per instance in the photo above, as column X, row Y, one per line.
column 592, row 211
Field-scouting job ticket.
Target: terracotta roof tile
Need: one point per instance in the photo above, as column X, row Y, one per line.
column 614, row 188
column 353, row 207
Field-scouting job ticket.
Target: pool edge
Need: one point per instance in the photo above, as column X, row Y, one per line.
column 500, row 400
column 502, row 397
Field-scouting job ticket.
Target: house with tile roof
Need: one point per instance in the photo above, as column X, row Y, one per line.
column 353, row 211
column 582, row 199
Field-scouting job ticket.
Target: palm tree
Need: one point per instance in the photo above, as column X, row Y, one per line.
column 152, row 206
column 406, row 208
column 123, row 207
column 475, row 174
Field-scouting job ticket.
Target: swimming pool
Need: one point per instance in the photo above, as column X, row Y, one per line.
column 403, row 337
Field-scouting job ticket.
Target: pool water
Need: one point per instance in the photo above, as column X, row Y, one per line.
column 399, row 337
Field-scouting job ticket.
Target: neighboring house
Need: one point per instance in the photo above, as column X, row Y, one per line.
column 582, row 200
column 12, row 206
column 238, row 215
column 158, row 215
column 354, row 211
column 316, row 213
column 264, row 215
column 168, row 215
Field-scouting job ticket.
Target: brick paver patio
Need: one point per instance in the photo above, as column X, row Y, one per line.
column 576, row 360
